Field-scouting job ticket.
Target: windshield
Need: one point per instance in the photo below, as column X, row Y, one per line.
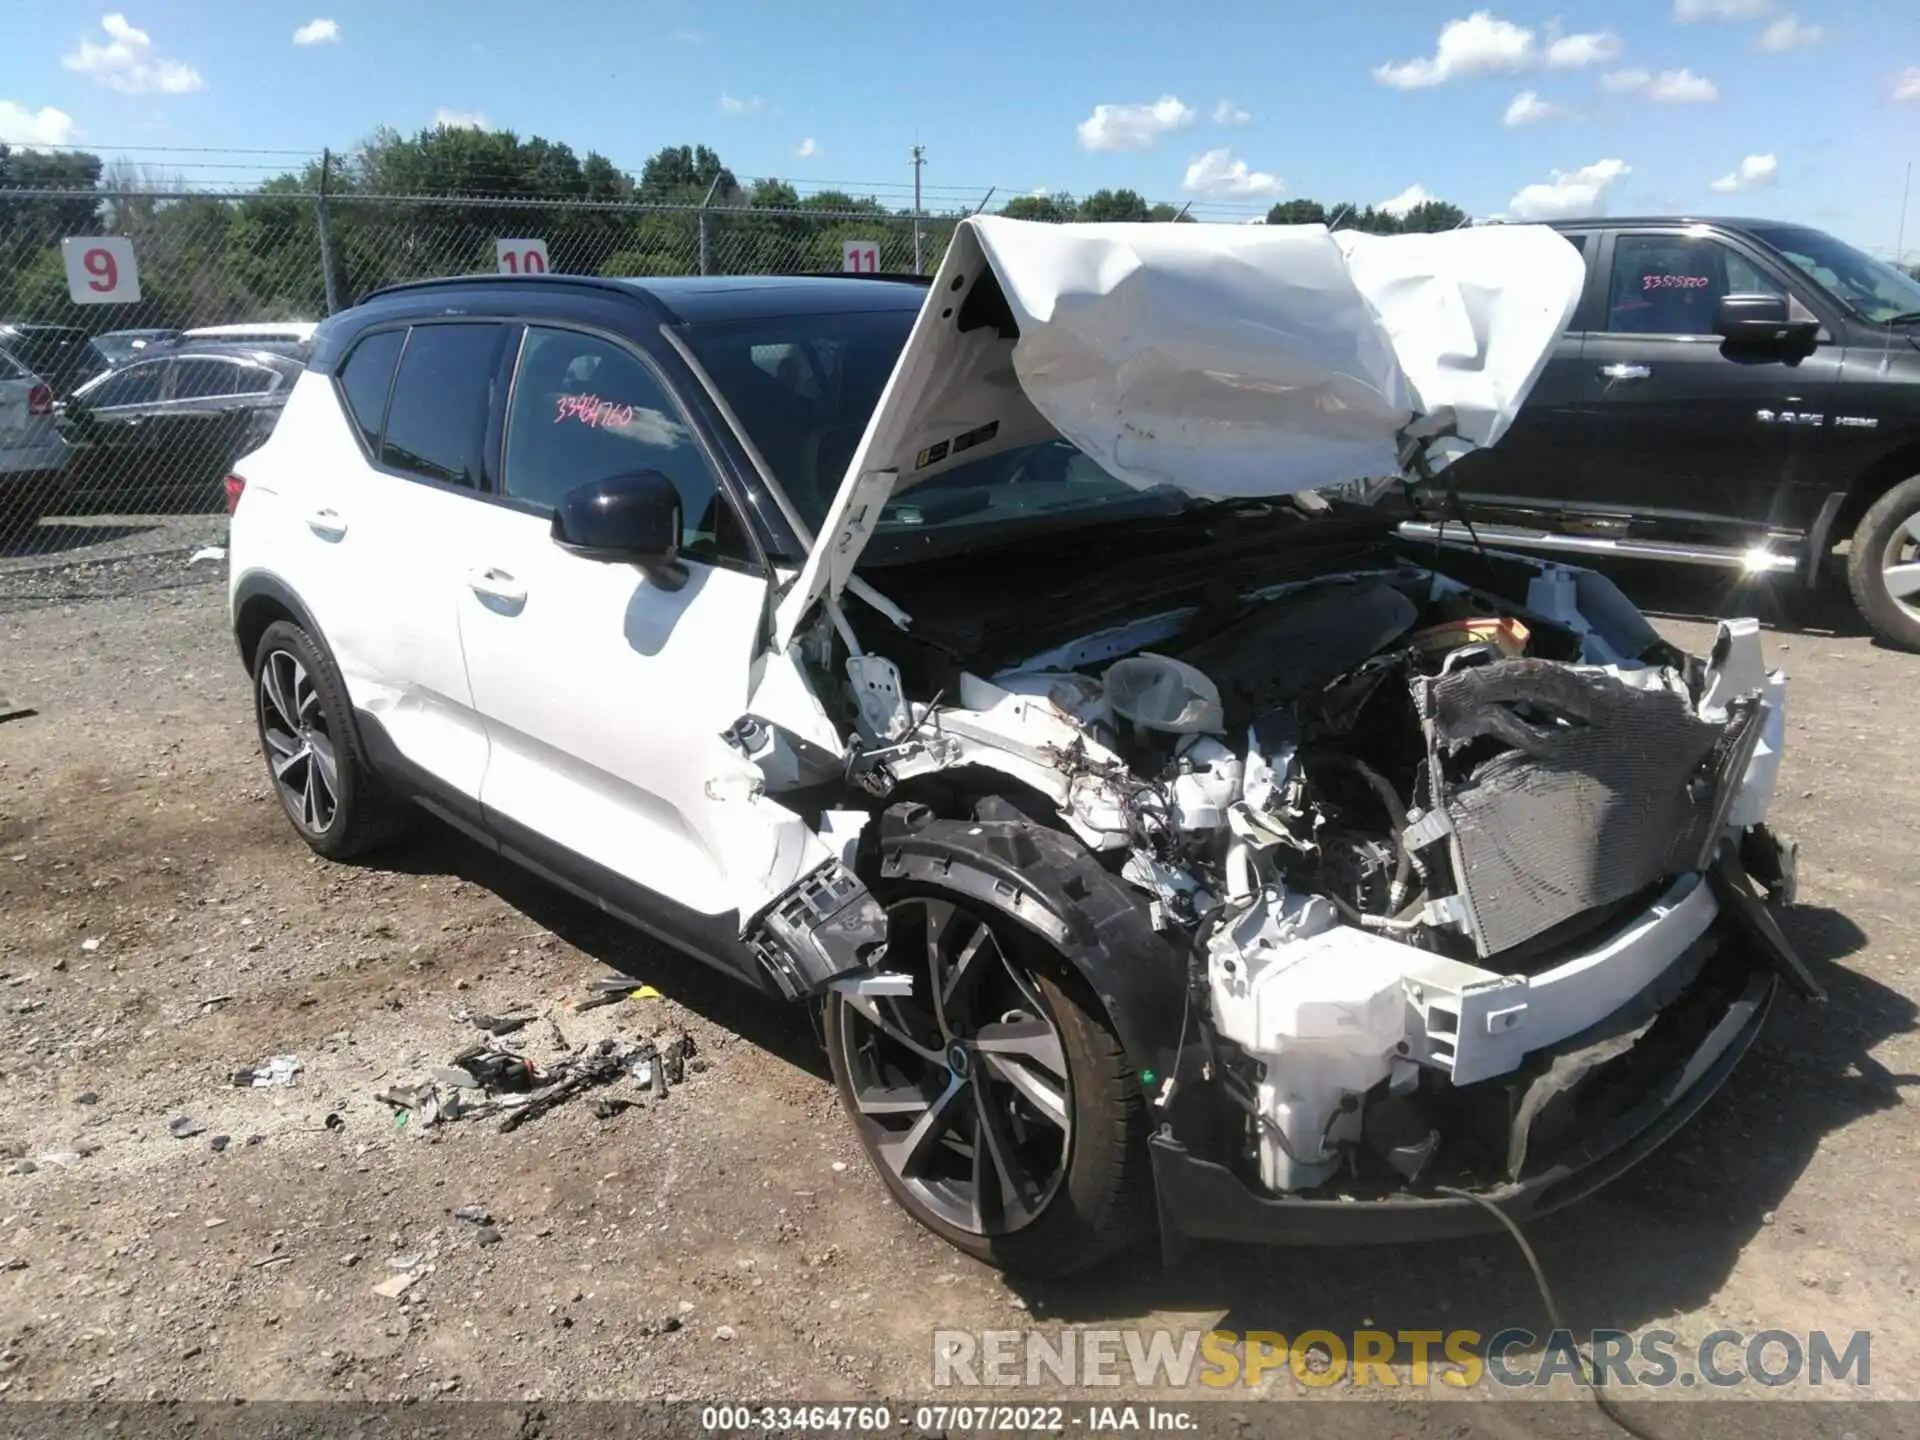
column 804, row 387
column 1870, row 288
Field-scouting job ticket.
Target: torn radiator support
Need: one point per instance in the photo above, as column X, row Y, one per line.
column 1604, row 789
column 827, row 926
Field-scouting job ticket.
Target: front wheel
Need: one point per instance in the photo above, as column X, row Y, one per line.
column 995, row 1103
column 1883, row 568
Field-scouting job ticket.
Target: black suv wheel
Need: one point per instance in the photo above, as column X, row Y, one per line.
column 1883, row 569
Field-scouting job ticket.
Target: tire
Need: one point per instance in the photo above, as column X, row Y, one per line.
column 1884, row 558
column 314, row 761
column 1066, row 1209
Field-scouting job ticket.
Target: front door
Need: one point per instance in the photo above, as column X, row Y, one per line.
column 605, row 692
column 1686, row 426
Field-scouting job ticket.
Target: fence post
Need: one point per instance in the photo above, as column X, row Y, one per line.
column 706, row 201
column 321, row 218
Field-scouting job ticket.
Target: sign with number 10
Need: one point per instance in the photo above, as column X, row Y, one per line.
column 100, row 270
column 520, row 257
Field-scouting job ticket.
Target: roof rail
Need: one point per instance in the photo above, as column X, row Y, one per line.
column 593, row 282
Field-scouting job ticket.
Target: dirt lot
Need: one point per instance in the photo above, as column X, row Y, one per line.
column 163, row 926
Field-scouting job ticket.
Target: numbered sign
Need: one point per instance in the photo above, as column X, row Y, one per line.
column 520, row 257
column 860, row 257
column 100, row 270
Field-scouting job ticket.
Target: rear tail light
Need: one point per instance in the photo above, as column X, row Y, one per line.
column 235, row 484
column 40, row 400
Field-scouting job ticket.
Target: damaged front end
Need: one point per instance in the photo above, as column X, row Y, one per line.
column 1449, row 883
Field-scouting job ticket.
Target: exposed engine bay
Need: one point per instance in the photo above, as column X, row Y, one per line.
column 1410, row 832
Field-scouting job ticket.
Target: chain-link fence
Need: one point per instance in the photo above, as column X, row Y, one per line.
column 113, row 410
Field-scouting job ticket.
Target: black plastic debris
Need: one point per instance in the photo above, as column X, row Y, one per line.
column 474, row 1214
column 184, row 1127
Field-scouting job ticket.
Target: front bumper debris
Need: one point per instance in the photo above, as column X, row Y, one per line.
column 1202, row 1199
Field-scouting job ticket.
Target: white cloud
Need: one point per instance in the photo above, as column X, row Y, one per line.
column 317, row 32
column 807, row 149
column 1787, row 33
column 1624, row 80
column 1682, row 87
column 733, row 105
column 1569, row 192
column 34, row 129
column 1686, row 11
column 1752, row 173
column 1228, row 113
column 1572, row 52
column 1218, row 173
column 1906, row 85
column 1133, row 127
column 1408, row 199
column 1529, row 109
column 461, row 120
column 127, row 63
column 1477, row 45
column 689, row 37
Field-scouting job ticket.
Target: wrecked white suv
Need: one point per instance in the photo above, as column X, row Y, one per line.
column 1005, row 666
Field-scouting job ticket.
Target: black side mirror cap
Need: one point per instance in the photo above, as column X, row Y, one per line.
column 631, row 519
column 1761, row 320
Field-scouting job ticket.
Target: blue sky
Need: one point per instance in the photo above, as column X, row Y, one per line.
column 1799, row 108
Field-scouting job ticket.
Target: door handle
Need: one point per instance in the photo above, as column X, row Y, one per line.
column 497, row 585
column 327, row 524
column 1625, row 372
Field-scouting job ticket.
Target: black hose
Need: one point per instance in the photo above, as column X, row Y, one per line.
column 1396, row 813
column 1600, row 1396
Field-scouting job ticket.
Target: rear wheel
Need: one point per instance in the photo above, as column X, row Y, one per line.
column 336, row 803
column 1883, row 569
column 995, row 1102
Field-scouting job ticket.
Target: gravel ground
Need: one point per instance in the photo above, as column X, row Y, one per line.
column 164, row 927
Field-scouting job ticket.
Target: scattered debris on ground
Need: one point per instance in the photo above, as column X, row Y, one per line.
column 275, row 1070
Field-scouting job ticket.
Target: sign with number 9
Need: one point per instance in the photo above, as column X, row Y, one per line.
column 101, row 270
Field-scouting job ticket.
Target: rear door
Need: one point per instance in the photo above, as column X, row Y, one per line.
column 384, row 539
column 1687, row 427
column 204, row 422
column 1541, row 463
column 109, row 424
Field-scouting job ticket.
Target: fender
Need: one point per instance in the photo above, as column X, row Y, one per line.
column 256, row 585
column 1056, row 889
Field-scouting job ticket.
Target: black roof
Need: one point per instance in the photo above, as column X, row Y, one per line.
column 696, row 298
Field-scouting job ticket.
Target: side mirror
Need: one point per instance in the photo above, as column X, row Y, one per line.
column 625, row 520
column 1760, row 320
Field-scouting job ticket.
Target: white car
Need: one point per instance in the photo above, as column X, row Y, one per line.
column 994, row 664
column 33, row 455
column 257, row 332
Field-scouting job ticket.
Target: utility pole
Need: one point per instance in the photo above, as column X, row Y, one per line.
column 1900, row 241
column 919, row 162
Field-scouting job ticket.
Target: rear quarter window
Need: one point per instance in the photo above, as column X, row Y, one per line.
column 437, row 415
column 365, row 379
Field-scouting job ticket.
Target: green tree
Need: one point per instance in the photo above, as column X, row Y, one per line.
column 1297, row 212
column 1052, row 208
column 1114, row 205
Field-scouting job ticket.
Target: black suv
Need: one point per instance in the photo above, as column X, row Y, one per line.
column 1741, row 393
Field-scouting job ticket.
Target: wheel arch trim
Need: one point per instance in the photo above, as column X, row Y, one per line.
column 1055, row 889
column 255, row 586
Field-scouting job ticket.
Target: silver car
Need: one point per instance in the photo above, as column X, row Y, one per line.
column 33, row 455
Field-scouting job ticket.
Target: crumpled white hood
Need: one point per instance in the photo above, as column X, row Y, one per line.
column 1225, row 360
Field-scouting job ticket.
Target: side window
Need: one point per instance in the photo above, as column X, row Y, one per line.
column 136, row 385
column 365, row 380
column 1671, row 284
column 437, row 419
column 585, row 410
column 10, row 368
column 205, row 379
column 254, row 379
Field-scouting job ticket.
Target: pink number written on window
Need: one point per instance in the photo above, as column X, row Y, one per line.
column 592, row 410
column 1674, row 282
